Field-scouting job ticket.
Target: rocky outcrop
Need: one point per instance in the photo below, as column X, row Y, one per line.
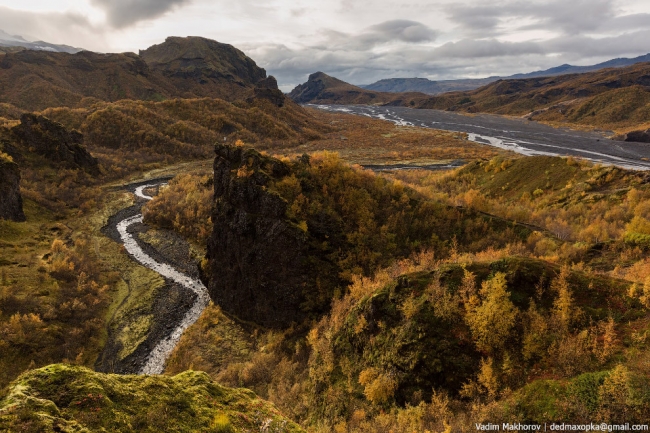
column 311, row 89
column 40, row 135
column 257, row 267
column 268, row 89
column 11, row 202
column 635, row 136
column 288, row 235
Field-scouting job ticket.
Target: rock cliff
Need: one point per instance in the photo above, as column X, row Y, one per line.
column 258, row 260
column 204, row 68
column 268, row 89
column 288, row 235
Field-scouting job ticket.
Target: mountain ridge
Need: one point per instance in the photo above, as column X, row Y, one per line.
column 189, row 67
column 424, row 85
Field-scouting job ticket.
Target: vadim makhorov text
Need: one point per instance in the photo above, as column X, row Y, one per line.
column 602, row 427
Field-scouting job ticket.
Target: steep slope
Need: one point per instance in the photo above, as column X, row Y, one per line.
column 320, row 88
column 64, row 398
column 189, row 128
column 39, row 135
column 203, row 67
column 403, row 339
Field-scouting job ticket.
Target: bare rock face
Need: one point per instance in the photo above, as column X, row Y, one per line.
column 268, row 89
column 260, row 265
column 51, row 139
column 310, row 90
column 11, row 202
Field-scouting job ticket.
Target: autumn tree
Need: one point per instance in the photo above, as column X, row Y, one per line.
column 492, row 320
column 564, row 310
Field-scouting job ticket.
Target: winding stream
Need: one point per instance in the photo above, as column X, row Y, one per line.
column 155, row 363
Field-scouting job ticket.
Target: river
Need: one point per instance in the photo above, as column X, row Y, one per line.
column 155, row 361
column 518, row 135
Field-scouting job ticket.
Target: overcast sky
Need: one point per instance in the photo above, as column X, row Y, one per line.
column 359, row 41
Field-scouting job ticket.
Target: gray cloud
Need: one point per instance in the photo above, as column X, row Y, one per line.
column 583, row 46
column 465, row 58
column 469, row 48
column 568, row 17
column 124, row 13
column 403, row 30
column 394, row 31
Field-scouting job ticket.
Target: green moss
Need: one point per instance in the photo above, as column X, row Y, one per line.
column 67, row 398
column 134, row 334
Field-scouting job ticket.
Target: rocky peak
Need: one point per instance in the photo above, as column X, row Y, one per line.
column 201, row 58
column 268, row 89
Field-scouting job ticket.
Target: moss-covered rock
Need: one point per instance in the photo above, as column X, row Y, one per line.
column 65, row 398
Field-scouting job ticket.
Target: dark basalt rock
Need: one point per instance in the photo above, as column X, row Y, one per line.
column 11, row 202
column 637, row 136
column 261, row 267
column 310, row 90
column 40, row 135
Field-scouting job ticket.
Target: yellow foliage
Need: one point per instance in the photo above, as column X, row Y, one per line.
column 638, row 224
column 535, row 333
column 184, row 206
column 410, row 307
column 564, row 310
column 491, row 322
column 445, row 305
column 379, row 386
column 487, row 377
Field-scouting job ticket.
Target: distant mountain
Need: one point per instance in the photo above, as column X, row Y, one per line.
column 613, row 98
column 427, row 86
column 321, row 88
column 570, row 69
column 430, row 87
column 7, row 40
column 189, row 67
